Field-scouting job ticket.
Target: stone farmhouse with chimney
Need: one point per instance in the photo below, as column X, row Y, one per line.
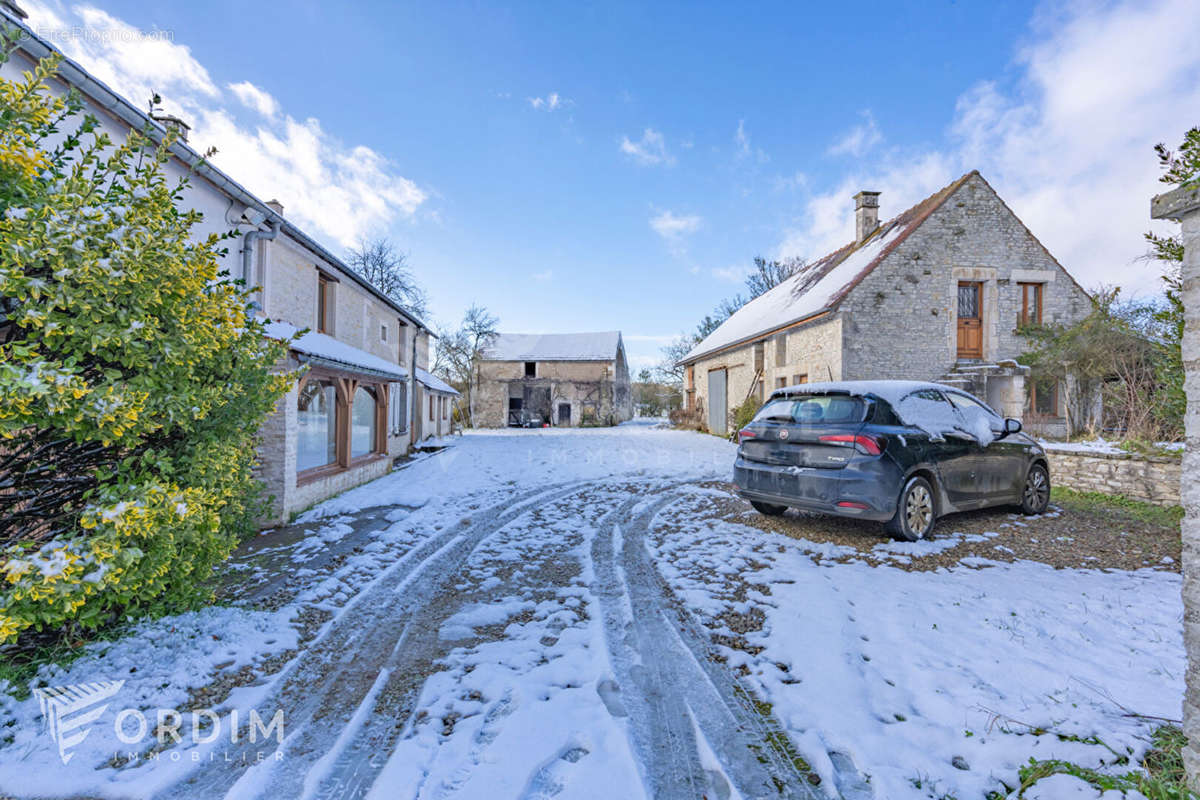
column 556, row 379
column 937, row 293
column 366, row 396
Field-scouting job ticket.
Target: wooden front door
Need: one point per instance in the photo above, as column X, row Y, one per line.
column 970, row 319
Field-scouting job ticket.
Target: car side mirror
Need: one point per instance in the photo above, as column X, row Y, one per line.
column 1012, row 426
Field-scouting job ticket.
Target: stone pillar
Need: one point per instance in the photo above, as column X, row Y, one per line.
column 1184, row 205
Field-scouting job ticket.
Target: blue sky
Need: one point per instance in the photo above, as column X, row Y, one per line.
column 585, row 166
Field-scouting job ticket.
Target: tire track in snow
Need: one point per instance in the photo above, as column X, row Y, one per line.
column 322, row 689
column 351, row 772
column 661, row 652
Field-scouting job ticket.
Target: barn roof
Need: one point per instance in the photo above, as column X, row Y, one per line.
column 601, row 346
column 821, row 285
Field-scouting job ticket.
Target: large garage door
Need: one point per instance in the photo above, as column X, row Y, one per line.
column 716, row 401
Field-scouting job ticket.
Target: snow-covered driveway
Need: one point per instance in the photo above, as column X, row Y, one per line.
column 580, row 614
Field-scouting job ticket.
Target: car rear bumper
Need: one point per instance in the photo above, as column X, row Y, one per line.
column 874, row 483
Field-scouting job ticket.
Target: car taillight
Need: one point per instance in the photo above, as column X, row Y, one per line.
column 745, row 434
column 860, row 442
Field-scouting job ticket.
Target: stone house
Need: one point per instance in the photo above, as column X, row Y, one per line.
column 936, row 293
column 557, row 379
column 433, row 414
column 352, row 411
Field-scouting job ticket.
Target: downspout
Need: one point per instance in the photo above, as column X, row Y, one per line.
column 412, row 391
column 248, row 252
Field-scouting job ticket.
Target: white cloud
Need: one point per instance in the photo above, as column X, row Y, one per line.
column 255, row 98
column 136, row 63
column 543, row 276
column 550, row 102
column 673, row 227
column 1068, row 146
column 859, row 139
column 328, row 187
column 828, row 221
column 733, row 274
column 784, row 183
column 742, row 147
column 650, row 150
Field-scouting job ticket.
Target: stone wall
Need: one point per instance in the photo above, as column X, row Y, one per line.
column 901, row 320
column 813, row 351
column 288, row 277
column 1151, row 479
column 590, row 384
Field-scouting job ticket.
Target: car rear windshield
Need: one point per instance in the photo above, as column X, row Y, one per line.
column 816, row 409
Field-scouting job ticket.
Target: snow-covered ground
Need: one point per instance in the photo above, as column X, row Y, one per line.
column 578, row 614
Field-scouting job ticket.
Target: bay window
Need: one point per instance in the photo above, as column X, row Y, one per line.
column 316, row 438
column 362, row 422
column 341, row 421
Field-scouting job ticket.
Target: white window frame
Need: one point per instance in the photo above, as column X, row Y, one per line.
column 398, row 407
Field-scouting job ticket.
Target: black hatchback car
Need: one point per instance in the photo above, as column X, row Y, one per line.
column 899, row 452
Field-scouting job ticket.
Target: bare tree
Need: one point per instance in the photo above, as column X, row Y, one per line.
column 669, row 370
column 387, row 269
column 479, row 325
column 765, row 276
column 459, row 351
column 769, row 274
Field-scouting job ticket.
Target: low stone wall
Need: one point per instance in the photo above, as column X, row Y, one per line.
column 1152, row 479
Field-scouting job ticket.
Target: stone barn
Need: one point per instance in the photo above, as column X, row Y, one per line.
column 936, row 293
column 556, row 379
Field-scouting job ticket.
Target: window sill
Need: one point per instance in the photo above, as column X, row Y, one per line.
column 329, row 470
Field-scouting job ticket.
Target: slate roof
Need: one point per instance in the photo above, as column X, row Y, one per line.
column 821, row 285
column 434, row 382
column 600, row 346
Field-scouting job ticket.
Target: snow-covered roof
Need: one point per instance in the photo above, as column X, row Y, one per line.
column 600, row 346
column 434, row 382
column 326, row 348
column 821, row 285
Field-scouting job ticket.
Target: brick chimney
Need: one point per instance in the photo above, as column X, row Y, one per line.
column 866, row 214
column 275, row 206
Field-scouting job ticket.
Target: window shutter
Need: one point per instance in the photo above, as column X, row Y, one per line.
column 398, row 407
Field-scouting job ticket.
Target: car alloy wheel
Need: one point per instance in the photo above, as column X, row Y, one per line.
column 918, row 509
column 1036, row 496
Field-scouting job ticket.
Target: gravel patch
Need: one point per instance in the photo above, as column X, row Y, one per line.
column 1065, row 536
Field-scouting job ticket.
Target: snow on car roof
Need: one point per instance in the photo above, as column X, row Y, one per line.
column 936, row 417
column 600, row 346
column 891, row 391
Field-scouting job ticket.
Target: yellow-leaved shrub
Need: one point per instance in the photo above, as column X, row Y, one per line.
column 133, row 376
